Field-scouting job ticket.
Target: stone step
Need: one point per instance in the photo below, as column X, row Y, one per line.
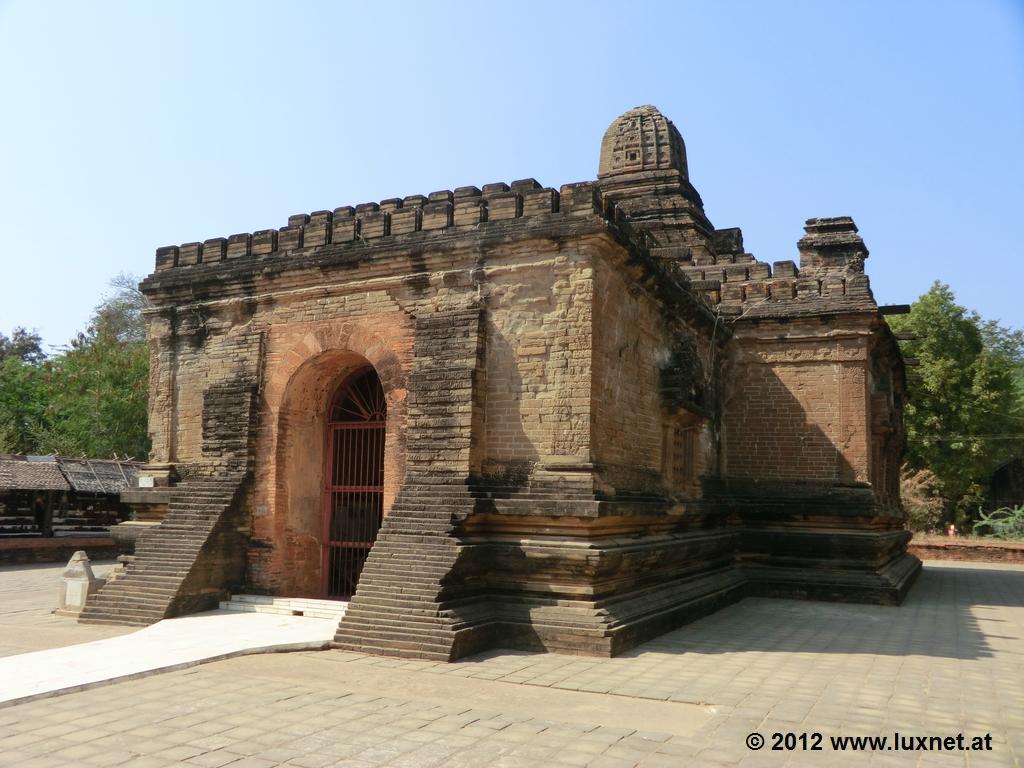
column 435, row 566
column 438, row 638
column 130, row 578
column 195, row 510
column 399, row 516
column 200, row 492
column 129, row 609
column 441, row 514
column 174, row 555
column 155, row 592
column 394, row 590
column 389, row 599
column 385, row 642
column 286, row 606
column 397, row 580
column 129, row 597
column 358, row 609
column 312, row 602
column 397, row 621
column 111, row 620
column 152, row 555
column 417, row 541
column 166, row 555
column 378, row 650
column 414, row 573
column 397, row 586
column 412, row 522
column 198, row 505
column 128, row 612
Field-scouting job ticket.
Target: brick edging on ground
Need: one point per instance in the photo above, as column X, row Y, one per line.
column 57, row 550
column 989, row 552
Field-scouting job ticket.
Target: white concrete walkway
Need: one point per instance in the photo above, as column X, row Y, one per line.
column 166, row 645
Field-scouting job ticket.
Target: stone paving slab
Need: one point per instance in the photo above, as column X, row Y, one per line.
column 28, row 595
column 303, row 712
column 950, row 660
column 166, row 645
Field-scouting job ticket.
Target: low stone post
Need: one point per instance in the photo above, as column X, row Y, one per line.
column 77, row 583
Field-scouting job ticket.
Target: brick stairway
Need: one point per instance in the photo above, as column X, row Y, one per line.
column 402, row 606
column 406, row 603
column 169, row 574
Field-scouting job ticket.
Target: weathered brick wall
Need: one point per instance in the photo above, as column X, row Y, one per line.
column 537, row 352
column 797, row 402
column 887, row 385
column 634, row 418
column 532, row 401
column 195, row 357
column 629, row 343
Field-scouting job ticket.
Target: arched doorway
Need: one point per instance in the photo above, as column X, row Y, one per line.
column 353, row 480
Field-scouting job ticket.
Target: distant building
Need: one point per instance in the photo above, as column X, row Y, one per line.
column 1008, row 484
column 520, row 416
column 43, row 495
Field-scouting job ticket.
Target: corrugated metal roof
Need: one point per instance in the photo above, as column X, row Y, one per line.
column 60, row 473
column 99, row 475
column 31, row 473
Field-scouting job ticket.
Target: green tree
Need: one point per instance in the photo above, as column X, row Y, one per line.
column 965, row 413
column 119, row 315
column 23, row 345
column 23, row 397
column 97, row 399
column 91, row 398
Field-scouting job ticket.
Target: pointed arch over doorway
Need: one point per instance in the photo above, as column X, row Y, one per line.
column 353, row 492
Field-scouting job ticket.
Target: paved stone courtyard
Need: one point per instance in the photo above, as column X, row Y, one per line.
column 28, row 594
column 950, row 660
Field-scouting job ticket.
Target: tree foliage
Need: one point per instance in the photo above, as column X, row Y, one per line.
column 90, row 398
column 23, row 397
column 966, row 411
column 23, row 345
column 1002, row 523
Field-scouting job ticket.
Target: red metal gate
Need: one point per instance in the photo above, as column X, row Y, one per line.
column 353, row 481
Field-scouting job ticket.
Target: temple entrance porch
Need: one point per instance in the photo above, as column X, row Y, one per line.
column 328, row 463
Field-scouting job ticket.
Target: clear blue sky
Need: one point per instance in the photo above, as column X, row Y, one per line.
column 127, row 126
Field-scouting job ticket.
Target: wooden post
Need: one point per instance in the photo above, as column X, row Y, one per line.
column 48, row 516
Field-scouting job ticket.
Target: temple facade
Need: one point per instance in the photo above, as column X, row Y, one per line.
column 518, row 416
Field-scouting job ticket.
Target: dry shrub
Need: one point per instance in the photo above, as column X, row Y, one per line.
column 926, row 508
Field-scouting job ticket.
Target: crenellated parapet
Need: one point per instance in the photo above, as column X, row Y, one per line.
column 830, row 276
column 438, row 212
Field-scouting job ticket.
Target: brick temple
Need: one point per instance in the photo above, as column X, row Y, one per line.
column 567, row 419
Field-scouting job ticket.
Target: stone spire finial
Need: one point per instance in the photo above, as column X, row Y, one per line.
column 832, row 243
column 642, row 139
